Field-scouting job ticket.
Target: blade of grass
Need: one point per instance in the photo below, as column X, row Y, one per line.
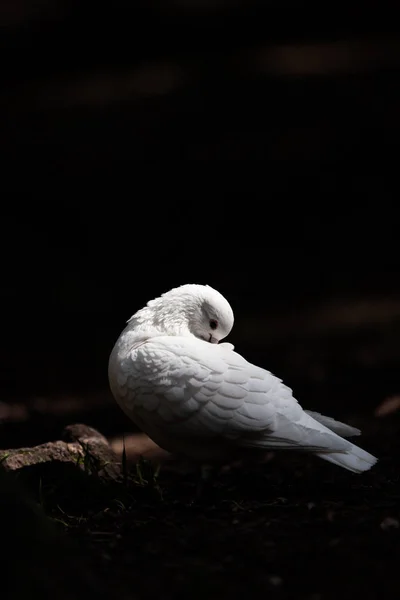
column 124, row 462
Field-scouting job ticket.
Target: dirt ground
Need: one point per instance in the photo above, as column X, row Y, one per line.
column 293, row 527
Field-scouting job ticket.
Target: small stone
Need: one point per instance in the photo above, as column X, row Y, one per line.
column 334, row 542
column 390, row 523
column 275, row 580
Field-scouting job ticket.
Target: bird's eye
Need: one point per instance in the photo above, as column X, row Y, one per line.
column 213, row 324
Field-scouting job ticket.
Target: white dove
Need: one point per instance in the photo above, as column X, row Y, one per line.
column 195, row 397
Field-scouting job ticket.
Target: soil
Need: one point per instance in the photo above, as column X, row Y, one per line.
column 293, row 527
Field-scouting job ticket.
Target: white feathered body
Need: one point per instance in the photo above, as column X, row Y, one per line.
column 206, row 402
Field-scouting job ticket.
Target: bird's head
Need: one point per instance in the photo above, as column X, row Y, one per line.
column 193, row 309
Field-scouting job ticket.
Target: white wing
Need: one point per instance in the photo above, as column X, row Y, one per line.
column 188, row 388
column 341, row 429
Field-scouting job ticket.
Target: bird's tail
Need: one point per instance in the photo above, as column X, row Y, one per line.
column 341, row 429
column 355, row 459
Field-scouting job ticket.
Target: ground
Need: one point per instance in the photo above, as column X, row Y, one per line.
column 293, row 527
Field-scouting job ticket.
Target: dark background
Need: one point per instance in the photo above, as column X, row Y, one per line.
column 289, row 208
column 316, row 302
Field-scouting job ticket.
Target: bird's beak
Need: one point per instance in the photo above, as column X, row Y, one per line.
column 213, row 340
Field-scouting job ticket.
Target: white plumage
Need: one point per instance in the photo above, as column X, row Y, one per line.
column 204, row 400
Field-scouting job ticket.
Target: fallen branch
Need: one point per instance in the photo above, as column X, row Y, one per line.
column 81, row 445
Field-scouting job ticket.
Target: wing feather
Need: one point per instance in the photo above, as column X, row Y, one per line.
column 198, row 386
column 184, row 387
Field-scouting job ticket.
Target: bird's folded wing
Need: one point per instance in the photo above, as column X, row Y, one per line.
column 187, row 387
column 191, row 386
